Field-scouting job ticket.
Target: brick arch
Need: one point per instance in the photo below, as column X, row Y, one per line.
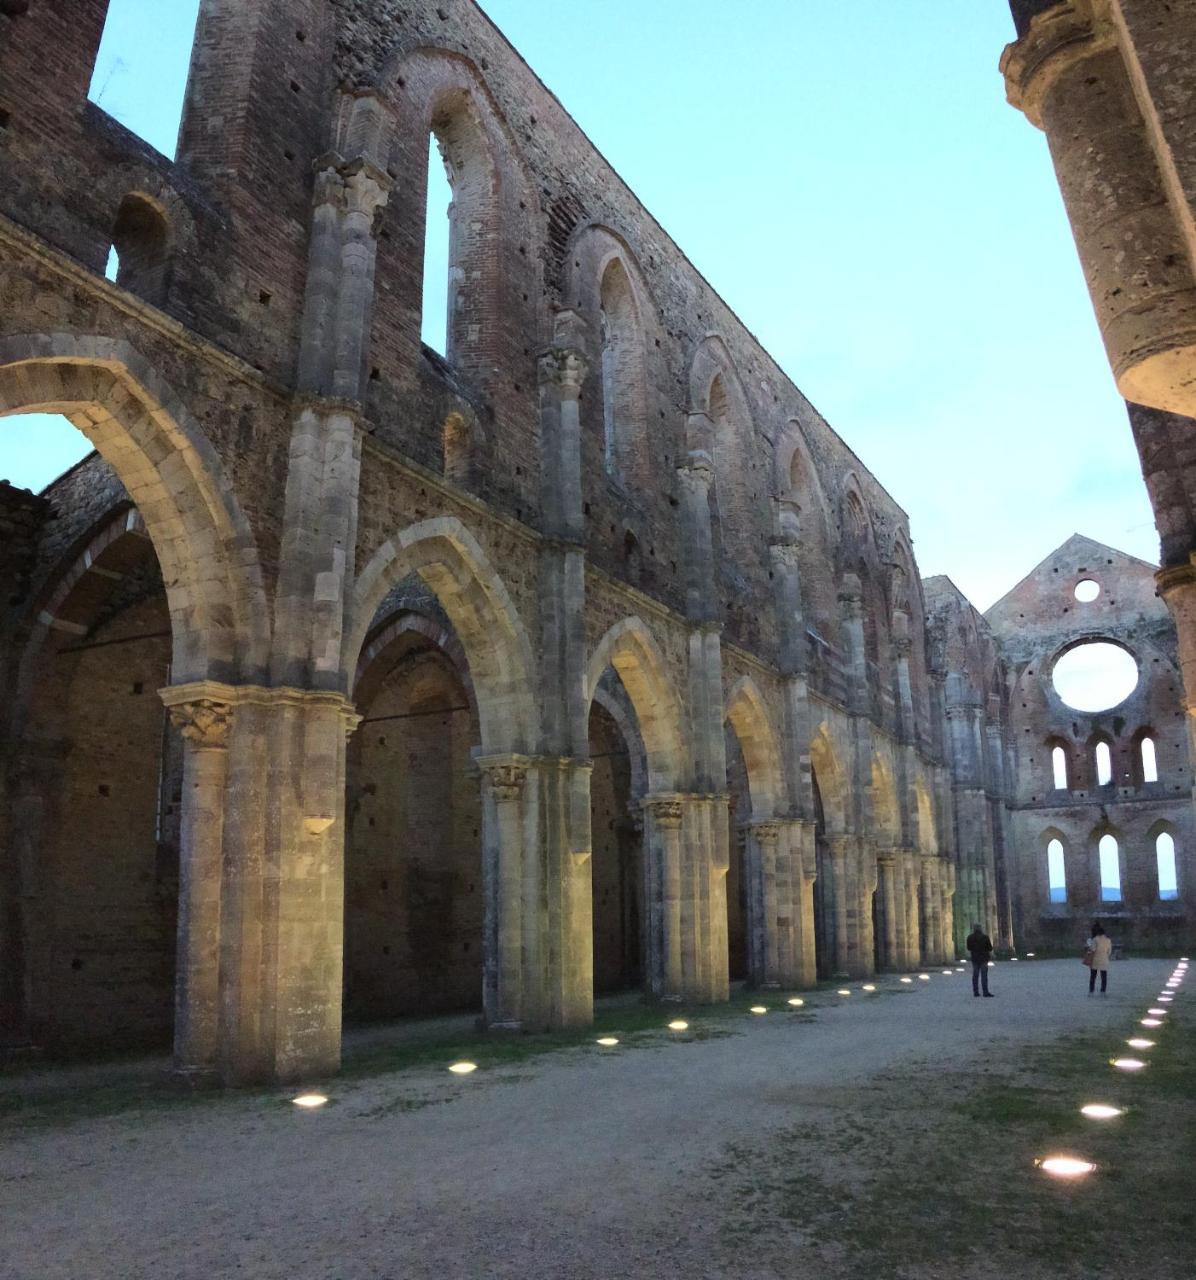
column 106, row 389
column 747, row 714
column 497, row 649
column 631, row 650
column 405, row 621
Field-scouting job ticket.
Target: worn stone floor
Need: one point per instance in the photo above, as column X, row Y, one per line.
column 585, row 1163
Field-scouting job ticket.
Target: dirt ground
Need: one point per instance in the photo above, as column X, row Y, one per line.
column 742, row 1148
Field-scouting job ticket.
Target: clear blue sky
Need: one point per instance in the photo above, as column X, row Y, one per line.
column 847, row 174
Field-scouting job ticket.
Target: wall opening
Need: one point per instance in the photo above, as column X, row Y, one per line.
column 1104, row 764
column 1095, row 675
column 438, row 283
column 1149, row 761
column 1110, row 869
column 1059, row 768
column 36, row 448
column 623, row 392
column 140, row 253
column 1164, row 848
column 1056, row 872
column 616, row 833
column 455, row 442
column 140, row 72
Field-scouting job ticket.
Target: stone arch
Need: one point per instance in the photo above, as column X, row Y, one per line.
column 928, row 838
column 886, row 814
column 406, row 621
column 623, row 714
column 832, row 780
column 105, row 388
column 449, row 560
column 631, row 650
column 748, row 716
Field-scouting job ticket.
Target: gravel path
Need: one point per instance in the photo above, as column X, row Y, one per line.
column 583, row 1164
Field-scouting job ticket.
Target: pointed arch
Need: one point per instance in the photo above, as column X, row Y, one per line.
column 886, row 815
column 209, row 560
column 747, row 714
column 450, row 561
column 630, row 648
column 831, row 779
column 928, row 838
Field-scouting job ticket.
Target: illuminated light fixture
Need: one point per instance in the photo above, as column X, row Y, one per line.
column 1138, row 1043
column 1100, row 1111
column 1029, row 955
column 309, row 1100
column 759, row 1008
column 923, row 977
column 797, row 1002
column 1184, row 959
column 961, row 969
column 843, row 991
column 947, row 972
column 992, row 964
column 907, row 979
column 1157, row 1013
column 608, row 1042
column 1127, row 1064
column 1152, row 1022
column 463, row 1068
column 1065, row 1166
column 868, row 986
column 679, row 1025
column 1013, row 957
column 1165, row 999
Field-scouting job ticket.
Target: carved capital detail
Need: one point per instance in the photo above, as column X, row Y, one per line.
column 204, row 723
column 564, row 367
column 666, row 814
column 784, row 554
column 506, row 781
column 766, row 833
column 367, row 188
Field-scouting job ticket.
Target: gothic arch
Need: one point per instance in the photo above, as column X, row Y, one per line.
column 449, row 560
column 105, row 388
column 747, row 714
column 630, row 649
column 886, row 814
column 832, row 780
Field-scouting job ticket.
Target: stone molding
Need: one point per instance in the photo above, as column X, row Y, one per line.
column 235, row 695
column 767, row 832
column 1056, row 41
column 563, row 367
column 667, row 811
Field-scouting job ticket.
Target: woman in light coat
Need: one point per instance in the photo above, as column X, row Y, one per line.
column 1101, row 947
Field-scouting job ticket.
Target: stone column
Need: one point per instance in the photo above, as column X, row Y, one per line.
column 886, row 871
column 1078, row 73
column 763, row 839
column 204, row 725
column 913, row 939
column 929, row 909
column 847, row 896
column 504, row 778
column 664, row 815
column 809, row 874
column 696, row 475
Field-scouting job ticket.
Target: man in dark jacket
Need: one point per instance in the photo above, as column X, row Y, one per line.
column 980, row 948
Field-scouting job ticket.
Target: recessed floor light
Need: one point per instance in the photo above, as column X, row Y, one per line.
column 1151, row 1022
column 1127, row 1064
column 463, row 1068
column 1100, row 1111
column 907, row 979
column 759, row 1008
column 678, row 1025
column 1137, row 1042
column 797, row 1002
column 309, row 1100
column 1066, row 1166
column 607, row 1042
column 868, row 986
column 843, row 991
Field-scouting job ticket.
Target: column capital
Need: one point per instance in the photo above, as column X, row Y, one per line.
column 666, row 811
column 767, row 832
column 506, row 775
column 1056, row 40
column 697, row 470
column 784, row 552
column 235, row 695
column 367, row 188
column 565, row 368
column 204, row 723
column 886, row 860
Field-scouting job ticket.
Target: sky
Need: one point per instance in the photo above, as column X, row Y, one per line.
column 847, row 174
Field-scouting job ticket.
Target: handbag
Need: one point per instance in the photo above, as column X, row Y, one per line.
column 1089, row 956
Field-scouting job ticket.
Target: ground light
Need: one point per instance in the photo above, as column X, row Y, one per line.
column 1127, row 1064
column 992, row 964
column 907, row 979
column 1165, row 999
column 1029, row 955
column 1138, row 1043
column 924, row 977
column 869, row 986
column 797, row 1002
column 1156, row 1013
column 843, row 991
column 463, row 1068
column 759, row 1008
column 678, row 1025
column 1100, row 1111
column 310, row 1100
column 1065, row 1166
column 607, row 1042
column 1152, row 1022
column 947, row 972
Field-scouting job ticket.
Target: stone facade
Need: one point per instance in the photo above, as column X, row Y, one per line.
column 586, row 655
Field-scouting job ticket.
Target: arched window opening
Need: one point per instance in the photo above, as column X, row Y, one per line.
column 623, row 393
column 1059, row 768
column 1164, row 849
column 140, row 241
column 1104, row 764
column 142, row 82
column 455, row 440
column 1110, row 869
column 1150, row 766
column 1056, row 873
column 438, row 281
column 633, row 560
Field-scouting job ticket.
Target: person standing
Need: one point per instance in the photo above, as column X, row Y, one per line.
column 980, row 948
column 1100, row 949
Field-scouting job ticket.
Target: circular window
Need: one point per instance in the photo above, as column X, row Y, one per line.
column 1087, row 590
column 1095, row 676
